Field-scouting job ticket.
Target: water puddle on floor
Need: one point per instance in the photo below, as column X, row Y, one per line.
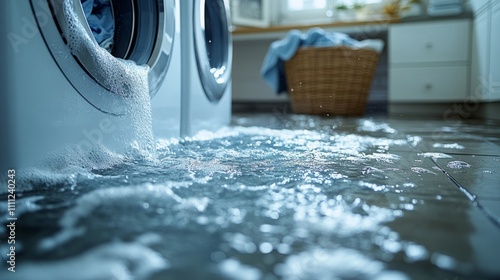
column 301, row 198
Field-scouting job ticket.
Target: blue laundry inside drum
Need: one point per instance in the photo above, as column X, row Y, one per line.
column 101, row 21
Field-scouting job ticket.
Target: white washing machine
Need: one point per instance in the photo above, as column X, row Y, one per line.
column 57, row 100
column 206, row 65
column 166, row 104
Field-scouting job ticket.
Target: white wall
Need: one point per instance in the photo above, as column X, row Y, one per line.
column 485, row 72
column 248, row 85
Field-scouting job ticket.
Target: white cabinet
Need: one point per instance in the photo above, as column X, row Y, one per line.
column 429, row 61
column 429, row 84
column 478, row 5
column 495, row 51
column 485, row 66
column 480, row 55
column 429, row 42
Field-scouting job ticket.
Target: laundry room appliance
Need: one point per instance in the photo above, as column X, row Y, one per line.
column 166, row 104
column 57, row 101
column 206, row 65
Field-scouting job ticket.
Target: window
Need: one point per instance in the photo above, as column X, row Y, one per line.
column 304, row 5
column 260, row 13
column 264, row 13
column 251, row 9
column 293, row 11
column 300, row 5
column 352, row 2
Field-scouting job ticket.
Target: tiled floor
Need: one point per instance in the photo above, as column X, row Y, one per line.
column 470, row 150
column 455, row 168
column 474, row 151
column 279, row 196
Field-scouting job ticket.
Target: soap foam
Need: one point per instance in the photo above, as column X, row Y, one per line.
column 133, row 137
column 115, row 200
column 124, row 77
column 114, row 260
column 338, row 263
column 23, row 205
column 233, row 269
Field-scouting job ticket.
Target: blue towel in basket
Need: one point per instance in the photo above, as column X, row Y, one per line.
column 273, row 69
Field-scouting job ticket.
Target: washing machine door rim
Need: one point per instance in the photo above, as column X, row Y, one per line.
column 82, row 71
column 213, row 46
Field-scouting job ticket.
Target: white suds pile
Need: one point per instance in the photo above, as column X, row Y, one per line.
column 124, row 77
column 132, row 136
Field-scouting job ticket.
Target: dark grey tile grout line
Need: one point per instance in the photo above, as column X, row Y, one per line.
column 472, row 197
column 472, row 154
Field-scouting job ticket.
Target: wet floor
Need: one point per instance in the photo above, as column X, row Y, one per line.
column 276, row 196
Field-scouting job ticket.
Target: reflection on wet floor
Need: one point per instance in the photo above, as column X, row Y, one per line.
column 279, row 197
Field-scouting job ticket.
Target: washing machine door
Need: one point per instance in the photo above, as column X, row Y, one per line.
column 144, row 33
column 213, row 46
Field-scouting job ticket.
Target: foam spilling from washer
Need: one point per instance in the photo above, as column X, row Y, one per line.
column 132, row 135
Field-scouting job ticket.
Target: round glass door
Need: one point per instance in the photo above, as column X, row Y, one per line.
column 144, row 31
column 213, row 46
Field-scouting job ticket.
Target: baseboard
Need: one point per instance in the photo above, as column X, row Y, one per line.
column 374, row 108
column 446, row 111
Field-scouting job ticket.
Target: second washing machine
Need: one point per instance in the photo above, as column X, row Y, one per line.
column 206, row 65
column 166, row 104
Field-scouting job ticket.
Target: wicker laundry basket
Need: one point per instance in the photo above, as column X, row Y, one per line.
column 330, row 80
